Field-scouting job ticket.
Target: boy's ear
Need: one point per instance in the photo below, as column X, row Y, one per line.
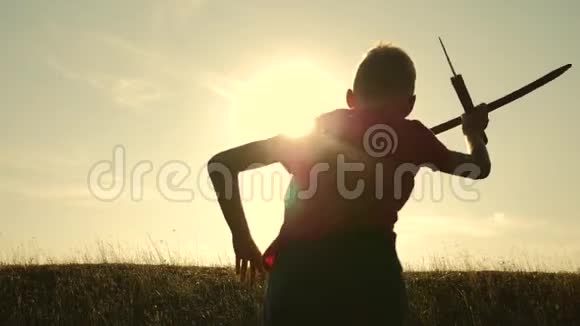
column 350, row 99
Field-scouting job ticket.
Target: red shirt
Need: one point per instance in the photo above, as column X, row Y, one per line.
column 322, row 196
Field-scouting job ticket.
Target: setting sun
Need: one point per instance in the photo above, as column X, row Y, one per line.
column 284, row 98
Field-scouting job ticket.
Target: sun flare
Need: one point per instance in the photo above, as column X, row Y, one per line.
column 284, row 98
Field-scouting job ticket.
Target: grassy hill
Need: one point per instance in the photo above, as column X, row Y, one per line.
column 122, row 294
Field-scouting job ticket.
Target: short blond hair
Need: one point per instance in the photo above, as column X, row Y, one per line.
column 386, row 69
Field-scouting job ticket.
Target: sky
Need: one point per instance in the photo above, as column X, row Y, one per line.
column 167, row 84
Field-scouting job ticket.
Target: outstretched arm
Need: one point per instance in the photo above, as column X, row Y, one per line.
column 476, row 164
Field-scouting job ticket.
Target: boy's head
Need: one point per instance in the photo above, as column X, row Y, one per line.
column 385, row 80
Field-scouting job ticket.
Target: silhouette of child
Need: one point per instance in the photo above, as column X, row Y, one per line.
column 334, row 261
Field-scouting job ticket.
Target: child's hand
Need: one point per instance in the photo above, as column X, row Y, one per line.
column 247, row 253
column 475, row 122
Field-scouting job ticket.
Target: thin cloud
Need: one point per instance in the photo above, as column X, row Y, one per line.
column 135, row 92
column 131, row 75
column 123, row 90
column 219, row 85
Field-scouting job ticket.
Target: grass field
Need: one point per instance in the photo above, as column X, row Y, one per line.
column 130, row 294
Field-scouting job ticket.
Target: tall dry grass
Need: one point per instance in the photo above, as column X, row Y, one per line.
column 157, row 286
